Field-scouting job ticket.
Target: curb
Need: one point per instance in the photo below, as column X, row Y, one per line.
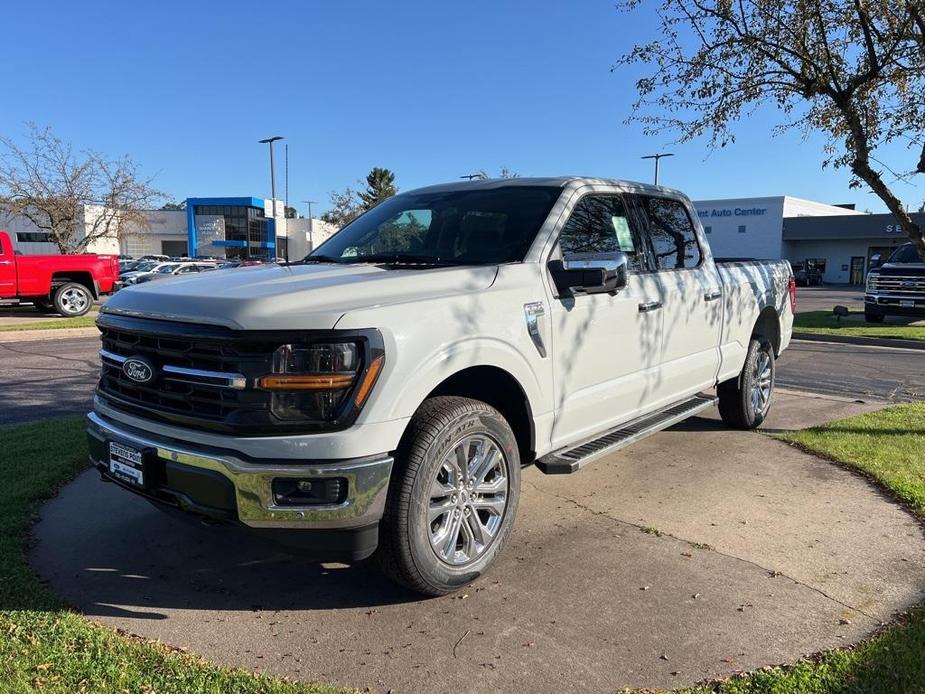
column 46, row 334
column 854, row 340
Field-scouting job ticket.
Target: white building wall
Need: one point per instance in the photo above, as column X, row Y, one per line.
column 743, row 227
column 798, row 207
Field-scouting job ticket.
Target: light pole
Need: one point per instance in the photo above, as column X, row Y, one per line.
column 656, row 157
column 311, row 223
column 270, row 141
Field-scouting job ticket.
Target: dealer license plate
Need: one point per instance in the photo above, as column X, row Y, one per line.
column 126, row 463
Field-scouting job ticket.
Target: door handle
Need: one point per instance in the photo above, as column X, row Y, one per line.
column 712, row 295
column 647, row 306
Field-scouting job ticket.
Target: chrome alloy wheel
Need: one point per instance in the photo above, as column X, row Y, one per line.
column 468, row 497
column 761, row 383
column 73, row 301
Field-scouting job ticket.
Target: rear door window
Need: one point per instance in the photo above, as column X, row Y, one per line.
column 671, row 233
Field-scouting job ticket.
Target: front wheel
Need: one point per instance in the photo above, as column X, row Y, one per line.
column 72, row 300
column 453, row 496
column 744, row 401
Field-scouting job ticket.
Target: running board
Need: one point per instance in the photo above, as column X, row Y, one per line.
column 568, row 460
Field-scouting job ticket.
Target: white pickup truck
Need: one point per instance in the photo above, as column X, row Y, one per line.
column 381, row 396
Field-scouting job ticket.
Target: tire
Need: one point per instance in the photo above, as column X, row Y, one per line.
column 44, row 305
column 427, row 536
column 744, row 401
column 72, row 300
column 873, row 317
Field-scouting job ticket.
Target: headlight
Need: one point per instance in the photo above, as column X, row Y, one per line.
column 318, row 382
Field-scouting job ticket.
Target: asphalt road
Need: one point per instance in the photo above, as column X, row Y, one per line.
column 56, row 377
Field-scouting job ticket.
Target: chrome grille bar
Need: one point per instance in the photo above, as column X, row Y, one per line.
column 181, row 374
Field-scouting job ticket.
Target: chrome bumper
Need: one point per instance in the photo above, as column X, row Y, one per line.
column 367, row 480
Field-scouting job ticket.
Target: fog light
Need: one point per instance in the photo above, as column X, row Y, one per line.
column 294, row 491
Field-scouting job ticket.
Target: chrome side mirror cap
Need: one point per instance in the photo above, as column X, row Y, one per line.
column 590, row 273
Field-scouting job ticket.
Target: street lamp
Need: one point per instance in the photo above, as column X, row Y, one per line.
column 656, row 157
column 270, row 141
column 311, row 223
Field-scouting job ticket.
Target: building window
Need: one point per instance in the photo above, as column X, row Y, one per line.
column 708, row 230
column 741, row 228
column 33, row 237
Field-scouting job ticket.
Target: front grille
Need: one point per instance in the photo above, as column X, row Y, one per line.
column 897, row 284
column 179, row 389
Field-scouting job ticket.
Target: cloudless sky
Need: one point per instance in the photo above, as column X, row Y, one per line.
column 431, row 90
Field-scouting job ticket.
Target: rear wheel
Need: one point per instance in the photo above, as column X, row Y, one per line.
column 873, row 317
column 453, row 496
column 744, row 401
column 72, row 300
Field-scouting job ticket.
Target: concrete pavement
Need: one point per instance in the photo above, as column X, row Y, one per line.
column 693, row 554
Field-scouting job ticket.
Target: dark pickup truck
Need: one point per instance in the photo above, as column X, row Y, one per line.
column 896, row 288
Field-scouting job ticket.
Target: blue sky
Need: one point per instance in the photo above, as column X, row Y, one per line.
column 431, row 90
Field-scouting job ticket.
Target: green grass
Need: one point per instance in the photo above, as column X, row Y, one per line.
column 824, row 323
column 81, row 322
column 45, row 647
column 889, row 447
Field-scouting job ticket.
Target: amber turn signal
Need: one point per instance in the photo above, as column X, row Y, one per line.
column 369, row 379
column 336, row 381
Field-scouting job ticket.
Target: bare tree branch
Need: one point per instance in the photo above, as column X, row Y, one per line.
column 75, row 198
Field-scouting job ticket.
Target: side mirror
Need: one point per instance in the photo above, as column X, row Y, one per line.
column 590, row 273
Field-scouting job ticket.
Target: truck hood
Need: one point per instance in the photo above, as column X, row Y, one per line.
column 902, row 269
column 274, row 297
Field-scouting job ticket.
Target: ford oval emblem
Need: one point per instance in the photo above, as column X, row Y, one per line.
column 138, row 370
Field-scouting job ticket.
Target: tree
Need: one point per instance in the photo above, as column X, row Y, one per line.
column 76, row 197
column 505, row 172
column 349, row 204
column 345, row 207
column 853, row 70
column 291, row 213
column 174, row 206
column 380, row 184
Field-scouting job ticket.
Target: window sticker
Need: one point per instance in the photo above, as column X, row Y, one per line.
column 624, row 236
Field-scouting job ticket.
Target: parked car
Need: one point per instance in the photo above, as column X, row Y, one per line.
column 381, row 396
column 143, row 266
column 896, row 288
column 807, row 276
column 65, row 284
column 157, row 257
column 170, row 270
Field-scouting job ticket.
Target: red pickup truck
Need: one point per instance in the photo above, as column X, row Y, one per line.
column 66, row 284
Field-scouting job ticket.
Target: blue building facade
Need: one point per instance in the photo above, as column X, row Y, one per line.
column 230, row 228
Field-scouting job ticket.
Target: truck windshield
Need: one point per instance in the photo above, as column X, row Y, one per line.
column 905, row 254
column 457, row 227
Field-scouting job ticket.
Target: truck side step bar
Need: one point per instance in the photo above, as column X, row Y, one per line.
column 568, row 460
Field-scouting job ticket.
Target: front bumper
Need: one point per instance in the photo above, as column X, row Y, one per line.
column 224, row 486
column 894, row 304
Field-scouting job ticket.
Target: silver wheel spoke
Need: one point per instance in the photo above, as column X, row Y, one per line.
column 484, row 463
column 439, row 508
column 449, row 541
column 496, row 485
column 494, row 504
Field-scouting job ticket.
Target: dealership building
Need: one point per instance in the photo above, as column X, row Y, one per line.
column 224, row 227
column 838, row 240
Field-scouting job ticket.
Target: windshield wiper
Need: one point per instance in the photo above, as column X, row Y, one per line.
column 320, row 259
column 402, row 259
